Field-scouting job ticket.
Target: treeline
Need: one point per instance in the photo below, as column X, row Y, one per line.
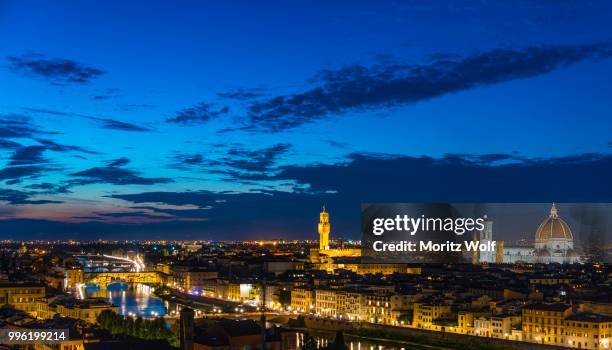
column 139, row 327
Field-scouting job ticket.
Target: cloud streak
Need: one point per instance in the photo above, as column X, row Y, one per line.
column 17, row 126
column 241, row 94
column 200, row 113
column 56, row 70
column 21, row 197
column 358, row 88
column 106, row 123
column 115, row 174
column 19, row 172
column 237, row 162
column 28, row 156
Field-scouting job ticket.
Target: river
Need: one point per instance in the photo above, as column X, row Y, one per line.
column 323, row 339
column 138, row 301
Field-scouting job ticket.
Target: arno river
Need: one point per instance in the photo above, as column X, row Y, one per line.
column 137, row 301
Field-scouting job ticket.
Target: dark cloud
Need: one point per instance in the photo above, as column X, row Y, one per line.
column 336, row 144
column 42, row 186
column 106, row 123
column 241, row 94
column 53, row 112
column 57, row 147
column 17, row 126
column 119, row 162
column 385, row 178
column 20, row 197
column 356, row 88
column 343, row 187
column 7, row 144
column 19, row 172
column 269, row 214
column 101, row 97
column 198, row 213
column 459, row 178
column 120, row 125
column 114, row 174
column 198, row 198
column 48, row 188
column 236, row 161
column 28, row 156
column 55, row 70
column 133, row 214
column 202, row 112
column 489, row 158
column 106, row 94
column 192, row 159
column 260, row 160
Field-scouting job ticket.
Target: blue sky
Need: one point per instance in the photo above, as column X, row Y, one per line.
column 236, row 119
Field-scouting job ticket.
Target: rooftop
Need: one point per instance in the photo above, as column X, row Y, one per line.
column 589, row 317
column 548, row 307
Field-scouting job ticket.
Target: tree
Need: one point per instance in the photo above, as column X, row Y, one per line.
column 139, row 328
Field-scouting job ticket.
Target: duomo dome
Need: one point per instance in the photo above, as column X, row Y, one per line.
column 554, row 241
column 553, row 228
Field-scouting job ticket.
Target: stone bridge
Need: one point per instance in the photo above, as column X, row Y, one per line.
column 103, row 279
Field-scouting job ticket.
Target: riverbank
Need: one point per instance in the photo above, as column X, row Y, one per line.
column 410, row 336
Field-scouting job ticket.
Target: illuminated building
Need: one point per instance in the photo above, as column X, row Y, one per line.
column 74, row 277
column 324, row 229
column 499, row 326
column 373, row 268
column 554, row 243
column 465, row 322
column 499, row 252
column 486, row 236
column 376, row 307
column 329, row 302
column 353, row 305
column 323, row 255
column 302, row 299
column 588, row 331
column 330, row 259
column 22, row 296
column 424, row 314
column 543, row 323
column 190, row 279
column 86, row 310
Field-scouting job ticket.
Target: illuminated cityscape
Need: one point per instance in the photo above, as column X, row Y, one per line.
column 298, row 289
column 305, row 175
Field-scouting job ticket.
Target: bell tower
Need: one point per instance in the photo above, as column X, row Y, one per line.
column 324, row 230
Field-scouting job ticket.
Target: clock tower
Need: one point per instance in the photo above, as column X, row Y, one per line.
column 324, row 230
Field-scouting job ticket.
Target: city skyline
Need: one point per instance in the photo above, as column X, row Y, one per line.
column 207, row 122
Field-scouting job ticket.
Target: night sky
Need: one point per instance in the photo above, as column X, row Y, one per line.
column 236, row 120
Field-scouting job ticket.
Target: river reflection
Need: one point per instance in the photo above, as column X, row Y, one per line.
column 138, row 301
column 323, row 340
